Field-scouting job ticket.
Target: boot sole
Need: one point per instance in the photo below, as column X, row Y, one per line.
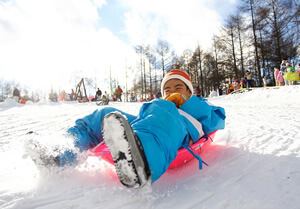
column 120, row 140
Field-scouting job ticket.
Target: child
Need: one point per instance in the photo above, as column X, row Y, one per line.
column 280, row 79
column 144, row 146
column 235, row 84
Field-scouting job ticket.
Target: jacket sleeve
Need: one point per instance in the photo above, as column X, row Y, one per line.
column 211, row 117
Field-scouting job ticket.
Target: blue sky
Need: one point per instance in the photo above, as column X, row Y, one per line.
column 54, row 42
column 112, row 17
column 112, row 14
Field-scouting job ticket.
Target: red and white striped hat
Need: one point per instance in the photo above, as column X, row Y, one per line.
column 177, row 74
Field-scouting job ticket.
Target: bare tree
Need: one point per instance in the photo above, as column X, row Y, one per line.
column 229, row 30
column 218, row 49
column 150, row 54
column 166, row 55
column 196, row 68
column 139, row 49
column 8, row 88
column 250, row 6
column 281, row 29
column 239, row 23
column 185, row 59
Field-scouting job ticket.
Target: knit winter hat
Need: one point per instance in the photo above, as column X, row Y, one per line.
column 177, row 74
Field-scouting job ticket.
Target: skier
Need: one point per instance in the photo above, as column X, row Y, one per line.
column 143, row 147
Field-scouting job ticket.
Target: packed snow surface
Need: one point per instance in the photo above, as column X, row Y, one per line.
column 253, row 163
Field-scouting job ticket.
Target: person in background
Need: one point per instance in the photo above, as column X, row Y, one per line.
column 220, row 92
column 63, row 95
column 22, row 100
column 231, row 88
column 276, row 72
column 280, row 79
column 119, row 92
column 264, row 76
column 235, row 84
column 158, row 95
column 72, row 94
column 249, row 79
column 98, row 95
column 133, row 98
column 283, row 68
column 16, row 94
column 290, row 69
column 106, row 94
column 299, row 69
column 151, row 96
column 244, row 82
column 105, row 99
column 283, row 65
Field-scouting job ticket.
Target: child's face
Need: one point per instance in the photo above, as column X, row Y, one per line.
column 176, row 86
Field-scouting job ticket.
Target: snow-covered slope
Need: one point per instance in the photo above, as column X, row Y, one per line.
column 253, row 163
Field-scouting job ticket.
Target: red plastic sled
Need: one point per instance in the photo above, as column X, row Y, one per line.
column 183, row 155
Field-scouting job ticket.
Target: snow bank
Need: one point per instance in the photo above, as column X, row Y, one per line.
column 9, row 103
column 284, row 94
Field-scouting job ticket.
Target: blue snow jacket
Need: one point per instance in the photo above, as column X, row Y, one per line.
column 160, row 126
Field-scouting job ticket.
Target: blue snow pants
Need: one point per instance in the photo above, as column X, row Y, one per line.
column 87, row 133
column 159, row 126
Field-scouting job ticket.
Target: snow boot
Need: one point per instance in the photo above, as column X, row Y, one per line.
column 41, row 158
column 126, row 150
column 39, row 154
